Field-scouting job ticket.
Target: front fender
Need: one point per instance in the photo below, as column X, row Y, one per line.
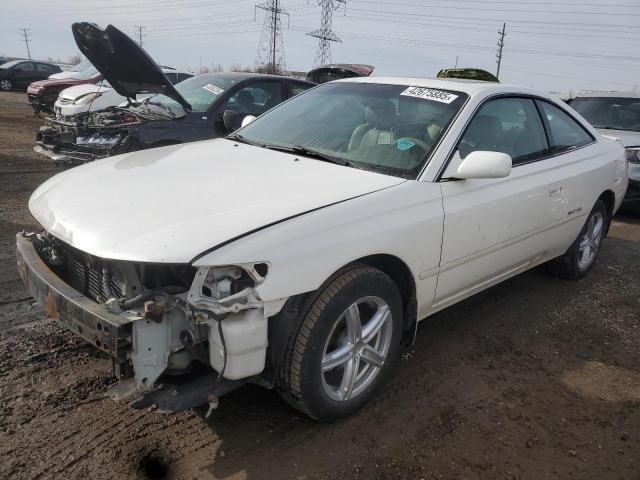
column 405, row 221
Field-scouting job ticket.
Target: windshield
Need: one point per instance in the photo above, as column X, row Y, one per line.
column 10, row 64
column 617, row 113
column 390, row 129
column 83, row 65
column 200, row 91
column 86, row 74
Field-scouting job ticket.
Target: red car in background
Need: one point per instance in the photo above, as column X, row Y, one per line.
column 43, row 94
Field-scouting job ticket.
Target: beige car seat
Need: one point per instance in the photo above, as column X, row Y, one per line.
column 379, row 119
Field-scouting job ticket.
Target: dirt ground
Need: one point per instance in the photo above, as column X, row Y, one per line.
column 535, row 378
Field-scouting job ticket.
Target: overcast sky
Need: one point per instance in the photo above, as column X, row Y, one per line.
column 550, row 45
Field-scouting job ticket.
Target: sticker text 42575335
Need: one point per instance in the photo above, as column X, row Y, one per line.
column 429, row 94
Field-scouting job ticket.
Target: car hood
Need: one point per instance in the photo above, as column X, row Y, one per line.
column 625, row 137
column 327, row 73
column 78, row 91
column 125, row 65
column 57, row 83
column 170, row 204
column 63, row 75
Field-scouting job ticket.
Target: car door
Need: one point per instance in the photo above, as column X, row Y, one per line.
column 495, row 228
column 43, row 71
column 24, row 74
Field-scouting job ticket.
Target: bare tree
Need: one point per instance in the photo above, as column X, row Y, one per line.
column 269, row 68
column 74, row 59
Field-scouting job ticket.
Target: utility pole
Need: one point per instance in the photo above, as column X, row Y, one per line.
column 274, row 28
column 501, row 36
column 456, row 62
column 27, row 37
column 324, row 34
column 140, row 27
column 271, row 49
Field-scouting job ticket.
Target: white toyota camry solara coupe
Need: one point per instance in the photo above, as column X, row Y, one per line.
column 300, row 252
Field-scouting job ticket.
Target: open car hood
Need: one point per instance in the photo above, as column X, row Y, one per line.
column 338, row 71
column 122, row 62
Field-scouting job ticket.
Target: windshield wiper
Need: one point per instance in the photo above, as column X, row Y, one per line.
column 309, row 152
column 239, row 138
column 299, row 149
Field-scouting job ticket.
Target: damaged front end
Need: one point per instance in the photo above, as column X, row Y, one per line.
column 86, row 137
column 176, row 334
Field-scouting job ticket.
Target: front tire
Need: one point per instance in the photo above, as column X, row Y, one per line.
column 346, row 346
column 582, row 254
column 6, row 84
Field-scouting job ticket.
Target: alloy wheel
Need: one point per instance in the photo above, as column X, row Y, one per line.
column 590, row 240
column 5, row 85
column 356, row 349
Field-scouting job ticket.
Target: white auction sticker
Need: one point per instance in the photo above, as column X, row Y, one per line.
column 210, row 87
column 430, row 94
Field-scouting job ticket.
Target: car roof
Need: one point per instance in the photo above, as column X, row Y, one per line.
column 470, row 87
column 610, row 94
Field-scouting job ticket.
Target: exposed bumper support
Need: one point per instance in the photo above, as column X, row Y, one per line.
column 109, row 332
column 64, row 158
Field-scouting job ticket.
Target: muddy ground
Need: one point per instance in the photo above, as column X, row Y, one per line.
column 535, row 378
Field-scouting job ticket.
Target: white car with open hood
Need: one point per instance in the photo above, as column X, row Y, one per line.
column 300, row 252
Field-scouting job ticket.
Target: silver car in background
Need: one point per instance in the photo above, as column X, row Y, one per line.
column 617, row 114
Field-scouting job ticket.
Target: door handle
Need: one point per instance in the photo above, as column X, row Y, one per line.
column 555, row 190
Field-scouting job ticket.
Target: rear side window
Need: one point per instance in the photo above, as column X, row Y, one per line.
column 507, row 125
column 298, row 87
column 565, row 133
column 44, row 68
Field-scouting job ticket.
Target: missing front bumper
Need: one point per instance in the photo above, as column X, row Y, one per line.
column 93, row 322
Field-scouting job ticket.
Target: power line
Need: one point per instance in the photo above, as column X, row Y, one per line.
column 271, row 47
column 401, row 16
column 324, row 34
column 501, row 9
column 501, row 36
column 27, row 37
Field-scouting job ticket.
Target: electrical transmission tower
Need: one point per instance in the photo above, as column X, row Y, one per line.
column 501, row 36
column 139, row 28
column 270, row 56
column 27, row 37
column 325, row 35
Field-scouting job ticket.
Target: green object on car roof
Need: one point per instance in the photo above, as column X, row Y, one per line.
column 468, row 73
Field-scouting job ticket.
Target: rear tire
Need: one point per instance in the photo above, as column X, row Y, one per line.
column 582, row 254
column 346, row 346
column 6, row 84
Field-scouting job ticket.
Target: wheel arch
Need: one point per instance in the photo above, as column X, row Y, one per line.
column 283, row 326
column 401, row 275
column 609, row 200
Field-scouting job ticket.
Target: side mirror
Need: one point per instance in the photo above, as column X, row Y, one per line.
column 17, row 69
column 484, row 164
column 247, row 120
column 231, row 120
